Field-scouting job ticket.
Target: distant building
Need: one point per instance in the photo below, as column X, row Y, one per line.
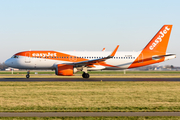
column 10, row 69
column 157, row 68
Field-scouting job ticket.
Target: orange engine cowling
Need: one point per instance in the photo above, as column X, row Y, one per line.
column 64, row 70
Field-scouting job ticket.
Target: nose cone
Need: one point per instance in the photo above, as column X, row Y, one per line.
column 7, row 62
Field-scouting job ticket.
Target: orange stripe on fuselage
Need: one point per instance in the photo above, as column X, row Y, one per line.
column 51, row 55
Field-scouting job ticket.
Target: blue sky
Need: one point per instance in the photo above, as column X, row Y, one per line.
column 86, row 25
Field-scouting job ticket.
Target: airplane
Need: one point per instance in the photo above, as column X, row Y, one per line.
column 66, row 63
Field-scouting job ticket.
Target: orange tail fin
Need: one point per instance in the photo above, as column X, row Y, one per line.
column 159, row 42
column 156, row 47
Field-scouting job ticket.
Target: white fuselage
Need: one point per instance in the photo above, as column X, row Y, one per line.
column 122, row 60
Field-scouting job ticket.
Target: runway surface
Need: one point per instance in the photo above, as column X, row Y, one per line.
column 83, row 114
column 82, row 79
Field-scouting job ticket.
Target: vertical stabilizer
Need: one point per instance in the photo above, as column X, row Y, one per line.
column 159, row 42
column 156, row 47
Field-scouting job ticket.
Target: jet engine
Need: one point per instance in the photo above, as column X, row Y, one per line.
column 65, row 70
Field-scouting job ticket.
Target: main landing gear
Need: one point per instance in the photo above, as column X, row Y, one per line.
column 28, row 72
column 85, row 75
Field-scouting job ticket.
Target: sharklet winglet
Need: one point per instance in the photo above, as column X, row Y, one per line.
column 114, row 52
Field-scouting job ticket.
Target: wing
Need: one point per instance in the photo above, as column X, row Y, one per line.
column 93, row 61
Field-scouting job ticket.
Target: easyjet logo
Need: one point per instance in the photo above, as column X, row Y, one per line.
column 159, row 38
column 44, row 54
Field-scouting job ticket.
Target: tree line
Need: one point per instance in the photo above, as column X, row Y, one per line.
column 3, row 66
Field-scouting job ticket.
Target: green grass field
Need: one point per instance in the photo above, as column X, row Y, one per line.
column 89, row 118
column 89, row 96
column 95, row 74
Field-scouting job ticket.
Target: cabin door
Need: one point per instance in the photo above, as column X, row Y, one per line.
column 27, row 58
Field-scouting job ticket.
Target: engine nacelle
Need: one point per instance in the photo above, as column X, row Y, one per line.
column 65, row 70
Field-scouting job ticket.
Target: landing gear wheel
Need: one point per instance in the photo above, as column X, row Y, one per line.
column 85, row 75
column 28, row 72
column 27, row 76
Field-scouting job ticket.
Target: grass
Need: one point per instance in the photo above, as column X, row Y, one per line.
column 25, row 72
column 89, row 96
column 95, row 74
column 89, row 118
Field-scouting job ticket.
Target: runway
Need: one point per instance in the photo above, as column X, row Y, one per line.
column 85, row 114
column 82, row 79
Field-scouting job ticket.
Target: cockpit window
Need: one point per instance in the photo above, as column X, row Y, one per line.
column 14, row 56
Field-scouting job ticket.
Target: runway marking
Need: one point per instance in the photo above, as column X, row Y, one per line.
column 86, row 114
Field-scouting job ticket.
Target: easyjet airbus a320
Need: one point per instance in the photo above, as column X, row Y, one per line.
column 66, row 63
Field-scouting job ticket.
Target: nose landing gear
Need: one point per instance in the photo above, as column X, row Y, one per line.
column 28, row 72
